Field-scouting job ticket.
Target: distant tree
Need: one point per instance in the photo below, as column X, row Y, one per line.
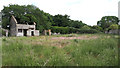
column 97, row 28
column 76, row 24
column 106, row 21
column 61, row 20
column 85, row 27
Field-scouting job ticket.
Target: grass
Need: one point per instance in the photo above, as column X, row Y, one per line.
column 43, row 51
column 0, row 52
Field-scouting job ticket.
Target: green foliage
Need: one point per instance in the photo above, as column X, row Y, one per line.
column 65, row 21
column 76, row 40
column 4, row 39
column 118, row 26
column 68, row 30
column 60, row 20
column 89, row 31
column 106, row 21
column 62, row 30
column 76, row 24
column 3, row 33
column 5, row 22
column 113, row 27
column 85, row 27
column 97, row 28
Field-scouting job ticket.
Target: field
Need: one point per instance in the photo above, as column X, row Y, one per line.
column 61, row 50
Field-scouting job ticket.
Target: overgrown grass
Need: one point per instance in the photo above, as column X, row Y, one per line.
column 0, row 51
column 42, row 51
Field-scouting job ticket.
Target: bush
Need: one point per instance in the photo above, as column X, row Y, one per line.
column 85, row 27
column 97, row 28
column 4, row 39
column 68, row 30
column 3, row 33
column 62, row 30
column 89, row 31
column 113, row 27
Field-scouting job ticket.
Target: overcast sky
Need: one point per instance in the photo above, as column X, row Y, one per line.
column 88, row 11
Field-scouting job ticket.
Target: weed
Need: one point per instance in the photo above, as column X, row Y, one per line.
column 4, row 39
column 76, row 40
column 21, row 51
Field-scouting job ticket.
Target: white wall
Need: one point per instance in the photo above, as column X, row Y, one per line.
column 19, row 34
column 36, row 32
column 29, row 32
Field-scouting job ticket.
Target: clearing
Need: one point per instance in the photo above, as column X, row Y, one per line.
column 61, row 50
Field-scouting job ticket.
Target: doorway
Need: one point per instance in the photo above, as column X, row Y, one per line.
column 25, row 32
column 32, row 33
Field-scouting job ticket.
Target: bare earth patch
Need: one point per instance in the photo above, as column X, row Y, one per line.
column 81, row 37
column 59, row 41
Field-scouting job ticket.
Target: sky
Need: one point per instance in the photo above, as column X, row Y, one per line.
column 88, row 11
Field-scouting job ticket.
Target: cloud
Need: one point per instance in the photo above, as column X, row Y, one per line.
column 89, row 11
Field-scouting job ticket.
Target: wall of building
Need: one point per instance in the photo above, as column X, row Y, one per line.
column 36, row 32
column 13, row 27
column 20, row 33
column 29, row 32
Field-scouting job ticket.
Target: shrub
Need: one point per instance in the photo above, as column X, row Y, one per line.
column 4, row 39
column 68, row 30
column 76, row 40
column 118, row 26
column 3, row 33
column 113, row 26
column 97, row 28
column 62, row 30
column 88, row 31
column 85, row 27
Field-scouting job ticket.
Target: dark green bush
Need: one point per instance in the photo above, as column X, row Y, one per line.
column 68, row 30
column 89, row 31
column 4, row 39
column 3, row 33
column 62, row 30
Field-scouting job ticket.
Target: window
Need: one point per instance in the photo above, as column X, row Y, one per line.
column 19, row 30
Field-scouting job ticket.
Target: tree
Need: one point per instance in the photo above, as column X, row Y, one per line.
column 106, row 21
column 61, row 20
column 85, row 27
column 76, row 24
column 97, row 28
column 26, row 14
column 113, row 27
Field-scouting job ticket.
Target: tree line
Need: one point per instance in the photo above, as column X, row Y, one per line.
column 57, row 23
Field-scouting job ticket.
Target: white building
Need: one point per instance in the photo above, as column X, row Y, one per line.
column 22, row 29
